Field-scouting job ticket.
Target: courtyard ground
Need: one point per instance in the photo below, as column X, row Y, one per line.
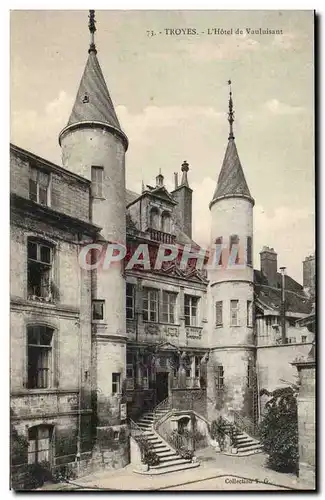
column 216, row 472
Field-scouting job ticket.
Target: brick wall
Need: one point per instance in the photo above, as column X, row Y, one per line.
column 69, row 194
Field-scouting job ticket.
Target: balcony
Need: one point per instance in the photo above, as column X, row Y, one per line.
column 157, row 235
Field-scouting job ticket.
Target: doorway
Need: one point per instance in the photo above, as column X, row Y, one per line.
column 161, row 386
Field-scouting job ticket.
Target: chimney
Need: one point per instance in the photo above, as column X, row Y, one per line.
column 308, row 267
column 176, row 179
column 182, row 194
column 269, row 264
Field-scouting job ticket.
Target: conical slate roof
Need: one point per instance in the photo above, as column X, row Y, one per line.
column 93, row 102
column 231, row 179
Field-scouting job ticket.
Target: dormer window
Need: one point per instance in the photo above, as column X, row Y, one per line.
column 39, row 183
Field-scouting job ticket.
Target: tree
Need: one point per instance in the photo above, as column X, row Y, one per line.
column 279, row 430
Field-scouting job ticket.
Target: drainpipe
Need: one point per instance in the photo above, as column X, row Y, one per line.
column 283, row 311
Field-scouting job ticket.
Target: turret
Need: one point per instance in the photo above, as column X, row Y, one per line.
column 231, row 292
column 93, row 146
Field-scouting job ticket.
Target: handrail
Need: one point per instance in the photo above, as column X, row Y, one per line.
column 166, row 404
column 245, row 424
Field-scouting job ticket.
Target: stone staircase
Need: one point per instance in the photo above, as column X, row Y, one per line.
column 247, row 445
column 170, row 461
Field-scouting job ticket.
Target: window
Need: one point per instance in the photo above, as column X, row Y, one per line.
column 116, row 383
column 39, row 183
column 39, row 356
column 219, row 313
column 234, row 310
column 234, row 252
column 154, row 218
column 249, row 256
column 130, row 371
column 115, row 435
column 249, row 313
column 168, row 307
column 97, row 174
column 130, row 301
column 39, row 444
column 197, row 367
column 250, row 374
column 166, row 222
column 219, row 378
column 291, row 340
column 39, row 269
column 191, row 310
column 145, row 377
column 150, row 305
column 218, row 252
column 303, row 339
column 98, row 309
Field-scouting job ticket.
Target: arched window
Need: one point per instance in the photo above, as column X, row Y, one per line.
column 154, row 218
column 166, row 222
column 40, row 443
column 40, row 341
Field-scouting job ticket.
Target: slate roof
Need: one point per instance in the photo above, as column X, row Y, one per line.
column 231, row 180
column 93, row 102
column 270, row 297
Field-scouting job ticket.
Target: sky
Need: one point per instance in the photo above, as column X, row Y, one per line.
column 170, row 93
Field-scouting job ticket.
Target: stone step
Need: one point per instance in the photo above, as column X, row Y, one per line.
column 171, row 458
column 249, row 452
column 170, row 469
column 166, row 453
column 160, row 447
column 177, row 461
column 249, row 447
column 154, row 439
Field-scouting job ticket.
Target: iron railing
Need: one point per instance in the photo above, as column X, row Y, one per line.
column 164, row 405
column 245, row 424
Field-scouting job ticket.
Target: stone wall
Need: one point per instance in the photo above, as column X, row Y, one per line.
column 307, row 422
column 274, row 368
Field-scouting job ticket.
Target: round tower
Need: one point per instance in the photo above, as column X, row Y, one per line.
column 231, row 286
column 93, row 146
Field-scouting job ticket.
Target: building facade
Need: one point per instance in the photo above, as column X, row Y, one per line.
column 92, row 347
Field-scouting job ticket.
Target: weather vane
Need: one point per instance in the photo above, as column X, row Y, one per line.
column 231, row 113
column 92, row 29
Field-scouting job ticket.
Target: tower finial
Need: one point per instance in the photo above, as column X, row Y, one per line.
column 92, row 29
column 231, row 113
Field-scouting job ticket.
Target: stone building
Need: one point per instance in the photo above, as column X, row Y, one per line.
column 92, row 346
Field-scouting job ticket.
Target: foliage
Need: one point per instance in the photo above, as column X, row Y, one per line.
column 233, row 435
column 64, row 473
column 218, row 431
column 37, row 474
column 148, row 456
column 19, row 446
column 279, row 430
